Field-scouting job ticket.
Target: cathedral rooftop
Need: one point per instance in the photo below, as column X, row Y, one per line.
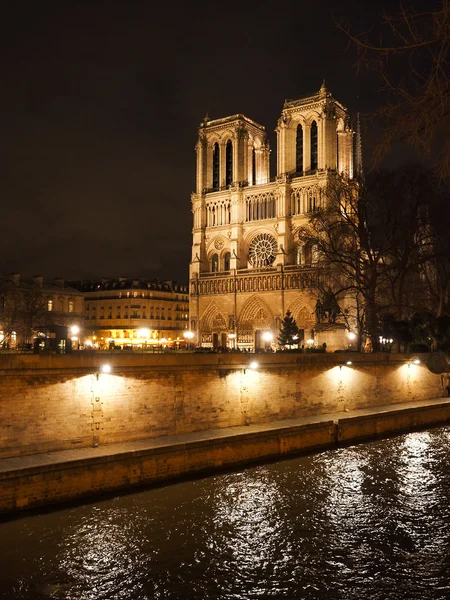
column 207, row 122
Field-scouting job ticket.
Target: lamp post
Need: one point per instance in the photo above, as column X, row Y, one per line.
column 188, row 335
column 267, row 337
column 75, row 330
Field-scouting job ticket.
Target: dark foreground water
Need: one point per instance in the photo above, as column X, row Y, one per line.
column 370, row 521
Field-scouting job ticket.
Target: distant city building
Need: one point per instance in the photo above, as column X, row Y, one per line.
column 248, row 264
column 134, row 313
column 33, row 306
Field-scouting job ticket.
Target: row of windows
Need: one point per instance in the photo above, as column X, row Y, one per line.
column 304, row 255
column 260, row 207
column 218, row 214
column 217, row 265
column 140, row 294
column 152, row 308
column 228, row 165
column 51, row 305
column 155, row 316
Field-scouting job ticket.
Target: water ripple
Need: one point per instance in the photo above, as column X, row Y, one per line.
column 368, row 521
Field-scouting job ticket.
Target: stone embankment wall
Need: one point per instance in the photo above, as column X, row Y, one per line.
column 56, row 402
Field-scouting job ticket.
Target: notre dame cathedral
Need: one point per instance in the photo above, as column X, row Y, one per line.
column 248, row 266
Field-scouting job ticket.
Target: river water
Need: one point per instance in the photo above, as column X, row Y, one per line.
column 368, row 521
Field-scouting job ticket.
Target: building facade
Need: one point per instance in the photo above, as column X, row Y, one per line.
column 135, row 314
column 248, row 266
column 32, row 306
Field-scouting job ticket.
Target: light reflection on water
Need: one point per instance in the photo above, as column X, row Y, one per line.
column 368, row 521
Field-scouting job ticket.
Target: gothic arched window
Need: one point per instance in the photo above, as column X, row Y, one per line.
column 226, row 261
column 215, row 166
column 253, row 166
column 215, row 263
column 299, row 150
column 229, row 163
column 314, row 146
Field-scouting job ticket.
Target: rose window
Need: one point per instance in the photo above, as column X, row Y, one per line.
column 263, row 250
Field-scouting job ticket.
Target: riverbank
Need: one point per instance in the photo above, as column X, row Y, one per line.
column 50, row 478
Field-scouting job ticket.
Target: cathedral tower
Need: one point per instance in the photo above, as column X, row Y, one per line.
column 248, row 266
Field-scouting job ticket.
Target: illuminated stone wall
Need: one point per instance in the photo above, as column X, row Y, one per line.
column 57, row 402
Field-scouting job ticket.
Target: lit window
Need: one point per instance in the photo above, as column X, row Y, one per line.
column 49, row 305
column 70, row 305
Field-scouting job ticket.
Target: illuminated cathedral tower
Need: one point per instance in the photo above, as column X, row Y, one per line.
column 248, row 266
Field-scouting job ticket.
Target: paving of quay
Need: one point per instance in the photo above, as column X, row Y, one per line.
column 55, row 458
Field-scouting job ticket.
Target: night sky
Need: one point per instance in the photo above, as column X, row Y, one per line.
column 100, row 104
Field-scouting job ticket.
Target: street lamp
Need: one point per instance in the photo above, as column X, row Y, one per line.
column 267, row 337
column 188, row 335
column 232, row 337
column 75, row 330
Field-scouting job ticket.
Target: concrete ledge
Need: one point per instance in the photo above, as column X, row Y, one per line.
column 51, row 478
column 363, row 427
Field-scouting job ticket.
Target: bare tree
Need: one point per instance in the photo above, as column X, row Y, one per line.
column 435, row 253
column 372, row 243
column 342, row 236
column 410, row 53
column 405, row 194
column 10, row 309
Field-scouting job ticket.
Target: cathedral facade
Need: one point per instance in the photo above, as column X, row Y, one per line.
column 248, row 265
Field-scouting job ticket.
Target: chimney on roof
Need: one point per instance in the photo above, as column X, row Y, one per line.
column 15, row 278
column 38, row 280
column 59, row 281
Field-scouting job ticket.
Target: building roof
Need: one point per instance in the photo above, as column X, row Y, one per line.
column 124, row 283
column 21, row 282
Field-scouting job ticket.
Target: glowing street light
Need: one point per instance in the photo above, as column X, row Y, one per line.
column 188, row 335
column 75, row 330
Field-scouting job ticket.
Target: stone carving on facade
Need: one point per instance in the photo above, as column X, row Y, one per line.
column 284, row 121
column 219, row 243
column 241, row 132
column 329, row 110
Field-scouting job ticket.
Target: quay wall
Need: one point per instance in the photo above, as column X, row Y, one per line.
column 58, row 402
column 24, row 485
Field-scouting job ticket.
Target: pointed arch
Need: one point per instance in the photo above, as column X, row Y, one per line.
column 299, row 150
column 255, row 314
column 229, row 163
column 314, row 146
column 213, row 320
column 302, row 313
column 215, row 165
